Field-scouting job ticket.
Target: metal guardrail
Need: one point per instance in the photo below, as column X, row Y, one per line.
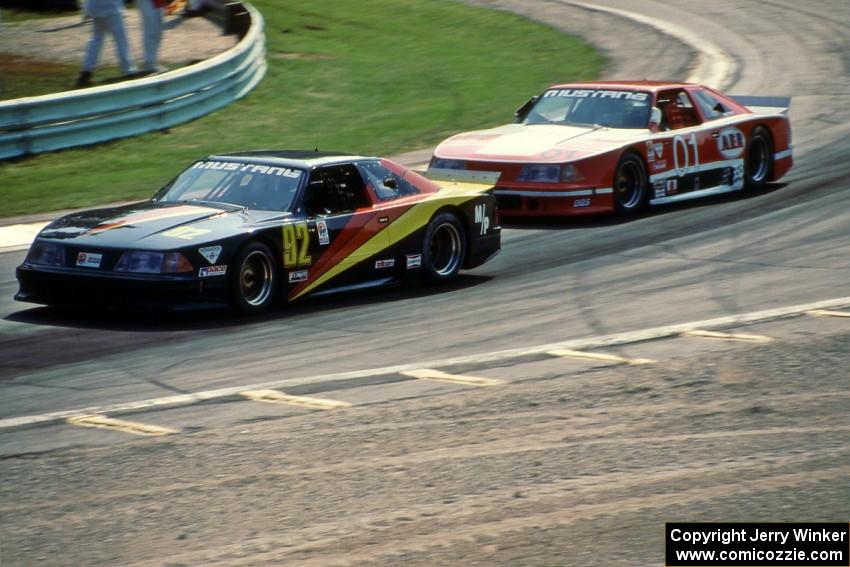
column 52, row 122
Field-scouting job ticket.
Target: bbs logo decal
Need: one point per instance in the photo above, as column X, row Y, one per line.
column 730, row 142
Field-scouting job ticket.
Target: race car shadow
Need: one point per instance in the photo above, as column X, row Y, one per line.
column 611, row 219
column 212, row 318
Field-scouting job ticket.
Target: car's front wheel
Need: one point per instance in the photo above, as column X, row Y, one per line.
column 253, row 282
column 444, row 247
column 630, row 185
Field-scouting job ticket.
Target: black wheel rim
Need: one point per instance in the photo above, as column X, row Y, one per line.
column 256, row 278
column 445, row 249
column 629, row 184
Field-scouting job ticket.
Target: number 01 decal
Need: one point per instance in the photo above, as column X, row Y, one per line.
column 296, row 245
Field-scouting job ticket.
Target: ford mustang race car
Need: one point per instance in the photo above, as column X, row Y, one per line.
column 247, row 227
column 617, row 146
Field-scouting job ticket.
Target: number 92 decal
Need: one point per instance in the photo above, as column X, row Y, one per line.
column 296, row 245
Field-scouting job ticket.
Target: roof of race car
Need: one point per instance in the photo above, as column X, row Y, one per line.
column 643, row 85
column 303, row 159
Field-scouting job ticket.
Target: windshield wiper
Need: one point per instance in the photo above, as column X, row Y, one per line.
column 216, row 204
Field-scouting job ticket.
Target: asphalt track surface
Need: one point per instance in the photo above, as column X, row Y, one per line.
column 537, row 471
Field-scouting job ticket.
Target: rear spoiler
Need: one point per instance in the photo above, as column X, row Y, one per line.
column 765, row 104
column 462, row 177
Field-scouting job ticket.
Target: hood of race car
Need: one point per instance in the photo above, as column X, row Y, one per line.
column 545, row 143
column 150, row 225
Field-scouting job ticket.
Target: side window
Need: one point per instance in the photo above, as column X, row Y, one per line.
column 710, row 107
column 334, row 190
column 387, row 184
column 677, row 109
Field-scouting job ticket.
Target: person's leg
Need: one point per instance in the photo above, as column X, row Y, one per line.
column 122, row 47
column 99, row 27
column 151, row 32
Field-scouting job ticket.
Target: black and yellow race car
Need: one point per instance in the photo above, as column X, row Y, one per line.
column 247, row 228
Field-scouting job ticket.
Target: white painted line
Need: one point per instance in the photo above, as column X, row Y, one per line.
column 278, row 397
column 601, row 356
column 19, row 234
column 714, row 68
column 827, row 313
column 744, row 337
column 431, row 374
column 131, row 427
column 623, row 338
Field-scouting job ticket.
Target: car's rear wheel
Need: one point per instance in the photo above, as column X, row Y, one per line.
column 758, row 160
column 444, row 248
column 630, row 185
column 253, row 282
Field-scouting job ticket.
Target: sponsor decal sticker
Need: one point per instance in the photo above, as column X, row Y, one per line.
column 299, row 276
column 324, row 236
column 384, row 220
column 672, row 186
column 414, row 261
column 388, row 263
column 730, row 142
column 185, row 232
column 210, row 253
column 580, row 203
column 248, row 168
column 659, row 165
column 592, row 93
column 482, row 219
column 89, row 259
column 210, row 271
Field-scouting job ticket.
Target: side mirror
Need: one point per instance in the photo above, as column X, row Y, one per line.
column 390, row 182
column 655, row 118
column 719, row 108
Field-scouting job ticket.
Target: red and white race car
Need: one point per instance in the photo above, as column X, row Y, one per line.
column 617, row 146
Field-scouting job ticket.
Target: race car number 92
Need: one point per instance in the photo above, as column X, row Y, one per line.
column 296, row 245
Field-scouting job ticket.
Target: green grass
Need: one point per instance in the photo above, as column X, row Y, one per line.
column 373, row 76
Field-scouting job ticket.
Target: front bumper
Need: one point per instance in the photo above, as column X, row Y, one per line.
column 64, row 286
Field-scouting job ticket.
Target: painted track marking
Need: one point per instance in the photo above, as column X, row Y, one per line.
column 627, row 337
column 278, row 397
column 703, row 334
column 131, row 427
column 827, row 313
column 601, row 356
column 431, row 374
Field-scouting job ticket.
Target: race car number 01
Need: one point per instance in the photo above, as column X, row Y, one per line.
column 685, row 166
column 296, row 245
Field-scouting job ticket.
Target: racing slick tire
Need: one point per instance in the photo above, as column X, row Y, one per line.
column 444, row 248
column 758, row 160
column 631, row 185
column 254, row 280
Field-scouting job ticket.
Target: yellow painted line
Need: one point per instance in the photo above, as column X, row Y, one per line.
column 728, row 336
column 431, row 374
column 827, row 313
column 132, row 427
column 566, row 353
column 278, row 397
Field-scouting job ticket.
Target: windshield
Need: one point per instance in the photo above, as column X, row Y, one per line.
column 261, row 187
column 593, row 107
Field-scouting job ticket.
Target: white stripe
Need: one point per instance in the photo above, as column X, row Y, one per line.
column 605, row 191
column 487, row 357
column 783, row 154
column 695, row 194
column 699, row 168
column 714, row 67
column 581, row 193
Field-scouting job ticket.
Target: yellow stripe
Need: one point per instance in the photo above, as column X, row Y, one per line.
column 565, row 353
column 411, row 220
column 728, row 336
column 430, row 374
column 132, row 427
column 827, row 313
column 277, row 397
